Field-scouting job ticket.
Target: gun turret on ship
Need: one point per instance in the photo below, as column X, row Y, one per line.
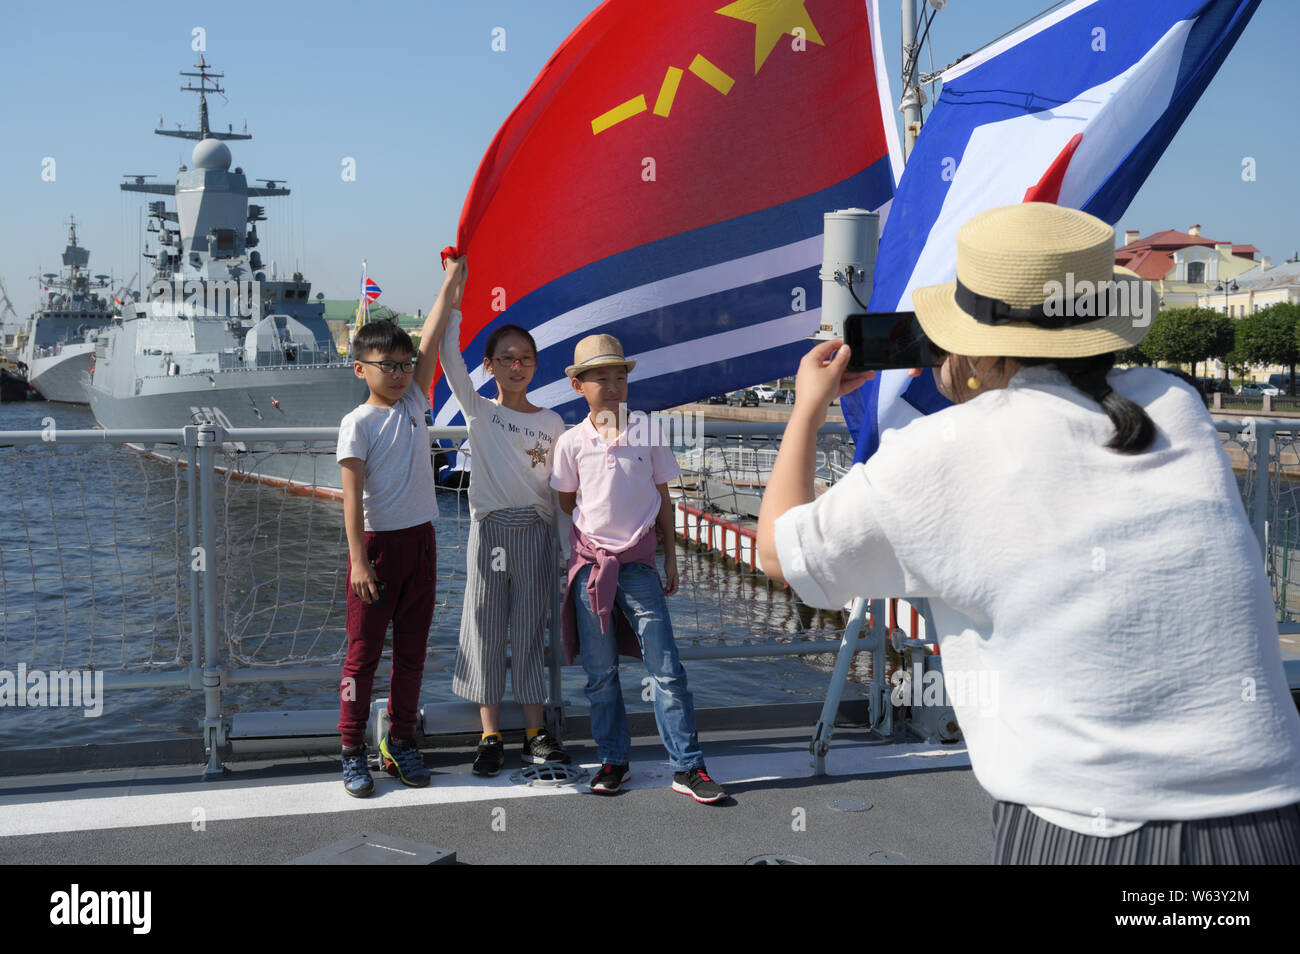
column 214, row 338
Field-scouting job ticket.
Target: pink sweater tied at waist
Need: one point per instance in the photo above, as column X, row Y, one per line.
column 602, row 586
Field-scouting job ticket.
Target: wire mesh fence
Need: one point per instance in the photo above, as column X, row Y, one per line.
column 94, row 559
column 99, row 560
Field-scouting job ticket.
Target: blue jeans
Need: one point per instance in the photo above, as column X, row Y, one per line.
column 641, row 600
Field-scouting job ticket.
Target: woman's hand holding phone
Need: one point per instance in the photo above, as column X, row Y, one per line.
column 821, row 377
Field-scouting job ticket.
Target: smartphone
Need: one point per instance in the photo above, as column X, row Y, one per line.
column 888, row 339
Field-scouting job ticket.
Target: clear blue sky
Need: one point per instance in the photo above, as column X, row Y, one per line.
column 414, row 92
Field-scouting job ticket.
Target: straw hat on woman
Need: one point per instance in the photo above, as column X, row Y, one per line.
column 1080, row 534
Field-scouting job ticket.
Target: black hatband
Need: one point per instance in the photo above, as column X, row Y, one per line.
column 994, row 311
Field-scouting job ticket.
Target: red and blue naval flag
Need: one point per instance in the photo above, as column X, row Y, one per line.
column 1075, row 109
column 370, row 290
column 664, row 181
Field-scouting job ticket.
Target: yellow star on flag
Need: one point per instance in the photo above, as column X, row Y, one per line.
column 773, row 19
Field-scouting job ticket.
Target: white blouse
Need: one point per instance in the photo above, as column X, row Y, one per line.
column 1117, row 602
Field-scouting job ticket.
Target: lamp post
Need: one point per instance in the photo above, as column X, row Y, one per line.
column 1231, row 287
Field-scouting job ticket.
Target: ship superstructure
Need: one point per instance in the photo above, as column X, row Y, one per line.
column 57, row 342
column 215, row 337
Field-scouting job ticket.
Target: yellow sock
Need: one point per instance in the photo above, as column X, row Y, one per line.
column 488, row 735
column 529, row 733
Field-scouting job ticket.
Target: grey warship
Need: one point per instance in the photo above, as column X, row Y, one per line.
column 214, row 339
column 55, row 345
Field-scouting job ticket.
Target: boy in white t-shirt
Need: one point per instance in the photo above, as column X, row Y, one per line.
column 389, row 504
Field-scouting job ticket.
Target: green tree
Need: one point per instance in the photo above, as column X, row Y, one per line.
column 1269, row 337
column 1189, row 336
column 1234, row 364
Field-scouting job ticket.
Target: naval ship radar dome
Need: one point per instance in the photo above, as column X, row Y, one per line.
column 211, row 154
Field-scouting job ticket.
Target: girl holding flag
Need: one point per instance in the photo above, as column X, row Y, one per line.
column 511, row 555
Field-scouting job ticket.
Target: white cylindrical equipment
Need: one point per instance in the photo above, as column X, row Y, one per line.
column 849, row 242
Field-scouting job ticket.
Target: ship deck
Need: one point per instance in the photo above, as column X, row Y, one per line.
column 925, row 807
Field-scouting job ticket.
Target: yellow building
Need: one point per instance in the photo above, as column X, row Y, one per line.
column 1253, row 290
column 1183, row 265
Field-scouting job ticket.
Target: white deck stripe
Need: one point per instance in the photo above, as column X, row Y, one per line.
column 28, row 807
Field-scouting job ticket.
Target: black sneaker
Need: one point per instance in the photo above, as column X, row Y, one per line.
column 543, row 748
column 697, row 784
column 356, row 774
column 609, row 779
column 491, row 756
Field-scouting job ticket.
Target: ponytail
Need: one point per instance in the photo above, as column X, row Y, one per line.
column 1134, row 429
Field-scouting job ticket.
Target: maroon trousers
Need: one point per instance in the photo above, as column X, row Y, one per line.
column 405, row 561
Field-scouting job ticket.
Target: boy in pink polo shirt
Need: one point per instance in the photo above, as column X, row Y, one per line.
column 617, row 491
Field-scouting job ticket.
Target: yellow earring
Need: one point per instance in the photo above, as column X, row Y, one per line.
column 973, row 383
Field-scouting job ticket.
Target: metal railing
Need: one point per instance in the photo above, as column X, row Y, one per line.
column 176, row 577
column 183, row 538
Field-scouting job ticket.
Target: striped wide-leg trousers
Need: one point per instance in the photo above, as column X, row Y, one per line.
column 508, row 594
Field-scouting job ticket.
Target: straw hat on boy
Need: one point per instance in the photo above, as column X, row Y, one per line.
column 597, row 351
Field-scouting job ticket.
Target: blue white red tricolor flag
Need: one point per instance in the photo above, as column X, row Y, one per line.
column 664, row 181
column 1074, row 109
column 370, row 290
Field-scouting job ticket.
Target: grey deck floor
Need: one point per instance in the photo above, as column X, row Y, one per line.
column 927, row 808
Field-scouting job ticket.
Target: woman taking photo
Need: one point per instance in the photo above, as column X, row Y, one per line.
column 1081, row 536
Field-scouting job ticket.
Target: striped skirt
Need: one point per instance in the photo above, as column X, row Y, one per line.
column 1259, row 838
column 509, row 587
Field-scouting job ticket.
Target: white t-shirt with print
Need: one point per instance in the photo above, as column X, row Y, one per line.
column 511, row 452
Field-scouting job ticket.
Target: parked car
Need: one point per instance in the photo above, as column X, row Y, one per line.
column 779, row 395
column 1282, row 382
column 718, row 399
column 1213, row 386
column 1255, row 389
column 745, row 398
column 764, row 391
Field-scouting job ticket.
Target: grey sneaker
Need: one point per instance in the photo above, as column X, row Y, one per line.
column 404, row 762
column 356, row 774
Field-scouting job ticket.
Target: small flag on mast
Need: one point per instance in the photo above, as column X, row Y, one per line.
column 369, row 292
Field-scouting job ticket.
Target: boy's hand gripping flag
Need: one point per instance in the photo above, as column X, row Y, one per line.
column 664, row 181
column 1074, row 109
